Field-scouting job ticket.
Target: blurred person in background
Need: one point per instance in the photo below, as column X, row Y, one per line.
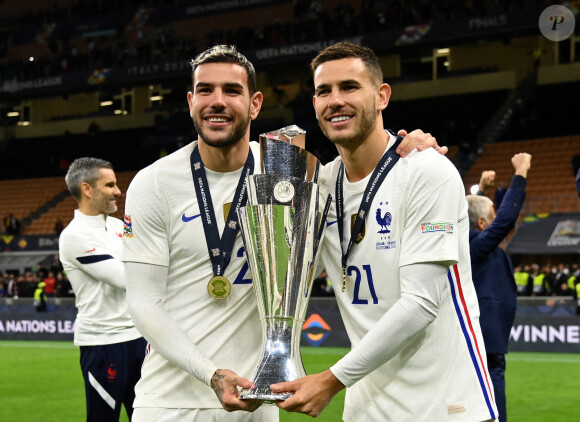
column 112, row 350
column 541, row 281
column 12, row 286
column 522, row 279
column 558, row 280
column 27, row 284
column 40, row 297
column 11, row 225
column 63, row 286
column 50, row 283
column 492, row 270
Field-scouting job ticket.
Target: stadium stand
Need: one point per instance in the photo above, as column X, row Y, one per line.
column 552, row 180
column 464, row 71
column 24, row 197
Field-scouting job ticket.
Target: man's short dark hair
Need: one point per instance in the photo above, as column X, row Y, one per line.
column 85, row 169
column 226, row 54
column 346, row 50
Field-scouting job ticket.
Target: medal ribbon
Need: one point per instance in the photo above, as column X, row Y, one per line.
column 387, row 162
column 219, row 249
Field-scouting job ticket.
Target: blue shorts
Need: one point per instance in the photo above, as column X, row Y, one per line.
column 111, row 372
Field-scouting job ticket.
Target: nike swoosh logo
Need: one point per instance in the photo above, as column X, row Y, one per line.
column 187, row 219
column 92, row 250
column 331, row 223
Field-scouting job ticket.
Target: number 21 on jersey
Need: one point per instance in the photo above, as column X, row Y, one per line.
column 366, row 276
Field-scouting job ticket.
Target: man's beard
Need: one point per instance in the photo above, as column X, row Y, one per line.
column 109, row 206
column 234, row 135
column 367, row 120
column 105, row 206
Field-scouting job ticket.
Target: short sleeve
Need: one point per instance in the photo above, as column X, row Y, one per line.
column 145, row 225
column 434, row 200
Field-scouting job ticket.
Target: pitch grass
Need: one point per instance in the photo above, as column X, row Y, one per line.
column 42, row 381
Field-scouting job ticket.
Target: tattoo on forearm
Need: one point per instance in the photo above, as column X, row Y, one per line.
column 216, row 383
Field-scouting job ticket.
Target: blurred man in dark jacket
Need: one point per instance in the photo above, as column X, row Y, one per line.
column 492, row 269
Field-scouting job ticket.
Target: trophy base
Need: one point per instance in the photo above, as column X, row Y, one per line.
column 263, row 394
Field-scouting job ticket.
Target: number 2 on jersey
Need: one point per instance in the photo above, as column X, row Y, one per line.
column 240, row 278
column 356, row 300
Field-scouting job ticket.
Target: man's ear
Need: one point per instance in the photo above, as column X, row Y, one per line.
column 481, row 223
column 384, row 96
column 87, row 190
column 256, row 104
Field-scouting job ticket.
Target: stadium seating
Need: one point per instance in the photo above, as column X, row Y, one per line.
column 551, row 180
column 23, row 197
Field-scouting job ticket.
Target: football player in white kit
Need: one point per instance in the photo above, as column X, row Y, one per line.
column 112, row 350
column 398, row 257
column 189, row 288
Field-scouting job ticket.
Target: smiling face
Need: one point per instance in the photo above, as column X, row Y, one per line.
column 220, row 103
column 347, row 102
column 103, row 195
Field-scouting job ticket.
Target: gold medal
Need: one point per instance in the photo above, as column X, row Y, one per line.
column 219, row 287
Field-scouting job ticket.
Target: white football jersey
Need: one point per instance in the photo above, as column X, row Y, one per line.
column 90, row 251
column 418, row 215
column 163, row 226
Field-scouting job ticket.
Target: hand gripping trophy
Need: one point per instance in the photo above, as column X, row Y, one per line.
column 282, row 226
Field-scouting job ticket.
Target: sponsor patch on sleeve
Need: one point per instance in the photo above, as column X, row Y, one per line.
column 440, row 227
column 127, row 226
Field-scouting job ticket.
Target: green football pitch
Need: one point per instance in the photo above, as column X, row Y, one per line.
column 41, row 381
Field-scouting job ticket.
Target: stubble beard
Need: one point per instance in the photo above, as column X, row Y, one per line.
column 234, row 135
column 367, row 122
column 109, row 207
column 106, row 206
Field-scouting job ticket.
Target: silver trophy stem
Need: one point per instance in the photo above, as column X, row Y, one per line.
column 280, row 359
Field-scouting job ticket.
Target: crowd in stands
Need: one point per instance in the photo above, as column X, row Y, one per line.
column 556, row 280
column 127, row 46
column 56, row 283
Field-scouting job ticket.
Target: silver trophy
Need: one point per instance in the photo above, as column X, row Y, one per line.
column 282, row 225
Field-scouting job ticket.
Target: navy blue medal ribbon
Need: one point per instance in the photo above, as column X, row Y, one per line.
column 387, row 162
column 219, row 249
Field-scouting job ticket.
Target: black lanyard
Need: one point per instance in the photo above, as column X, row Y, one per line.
column 387, row 162
column 219, row 249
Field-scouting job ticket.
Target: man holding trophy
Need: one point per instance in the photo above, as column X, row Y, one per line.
column 406, row 296
column 188, row 283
